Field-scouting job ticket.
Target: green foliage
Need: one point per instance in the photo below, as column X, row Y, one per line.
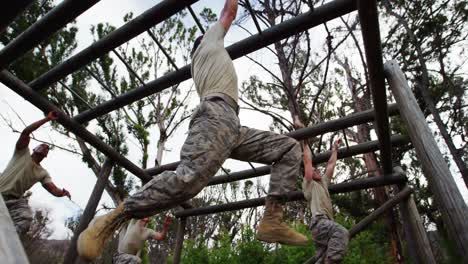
column 244, row 250
column 208, row 16
column 195, row 252
column 369, row 247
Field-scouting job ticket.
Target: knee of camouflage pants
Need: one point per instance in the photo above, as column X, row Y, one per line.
column 338, row 244
column 164, row 192
column 286, row 170
column 122, row 258
column 20, row 213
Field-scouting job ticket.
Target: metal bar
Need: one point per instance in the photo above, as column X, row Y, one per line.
column 179, row 240
column 90, row 210
column 225, row 171
column 254, row 17
column 447, row 195
column 11, row 11
column 252, row 166
column 12, row 250
column 54, row 20
column 308, row 132
column 320, row 158
column 355, row 185
column 240, row 175
column 269, row 36
column 368, row 17
column 95, row 77
column 156, row 170
column 168, row 57
column 340, row 123
column 359, row 227
column 197, row 21
column 138, row 25
column 345, row 138
column 75, row 94
column 129, row 68
column 36, row 99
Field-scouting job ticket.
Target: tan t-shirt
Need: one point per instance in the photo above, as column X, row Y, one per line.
column 134, row 237
column 212, row 67
column 21, row 174
column 316, row 193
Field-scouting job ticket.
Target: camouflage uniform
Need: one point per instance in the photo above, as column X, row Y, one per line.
column 122, row 258
column 20, row 213
column 214, row 135
column 331, row 240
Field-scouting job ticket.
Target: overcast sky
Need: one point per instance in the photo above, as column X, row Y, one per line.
column 66, row 169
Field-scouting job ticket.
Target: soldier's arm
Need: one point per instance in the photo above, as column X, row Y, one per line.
column 228, row 14
column 23, row 140
column 309, row 170
column 332, row 161
column 55, row 191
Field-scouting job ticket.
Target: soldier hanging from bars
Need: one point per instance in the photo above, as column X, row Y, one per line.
column 331, row 239
column 215, row 134
column 132, row 240
column 22, row 172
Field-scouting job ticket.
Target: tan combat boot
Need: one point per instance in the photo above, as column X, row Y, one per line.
column 272, row 229
column 92, row 240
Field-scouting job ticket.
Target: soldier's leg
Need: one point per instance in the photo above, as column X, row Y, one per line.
column 20, row 214
column 122, row 258
column 338, row 243
column 284, row 154
column 212, row 135
column 320, row 229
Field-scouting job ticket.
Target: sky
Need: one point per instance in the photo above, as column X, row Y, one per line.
column 66, row 169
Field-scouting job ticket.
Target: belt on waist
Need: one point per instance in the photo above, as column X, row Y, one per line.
column 226, row 98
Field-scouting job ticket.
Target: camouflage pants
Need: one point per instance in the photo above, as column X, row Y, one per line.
column 331, row 240
column 20, row 213
column 122, row 258
column 214, row 135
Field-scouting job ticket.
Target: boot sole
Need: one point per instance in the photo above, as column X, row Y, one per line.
column 272, row 239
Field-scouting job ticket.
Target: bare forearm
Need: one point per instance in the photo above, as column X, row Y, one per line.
column 54, row 190
column 331, row 163
column 228, row 14
column 230, row 7
column 57, row 192
column 34, row 126
column 307, row 158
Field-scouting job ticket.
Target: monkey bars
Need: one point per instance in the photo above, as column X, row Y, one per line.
column 69, row 10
